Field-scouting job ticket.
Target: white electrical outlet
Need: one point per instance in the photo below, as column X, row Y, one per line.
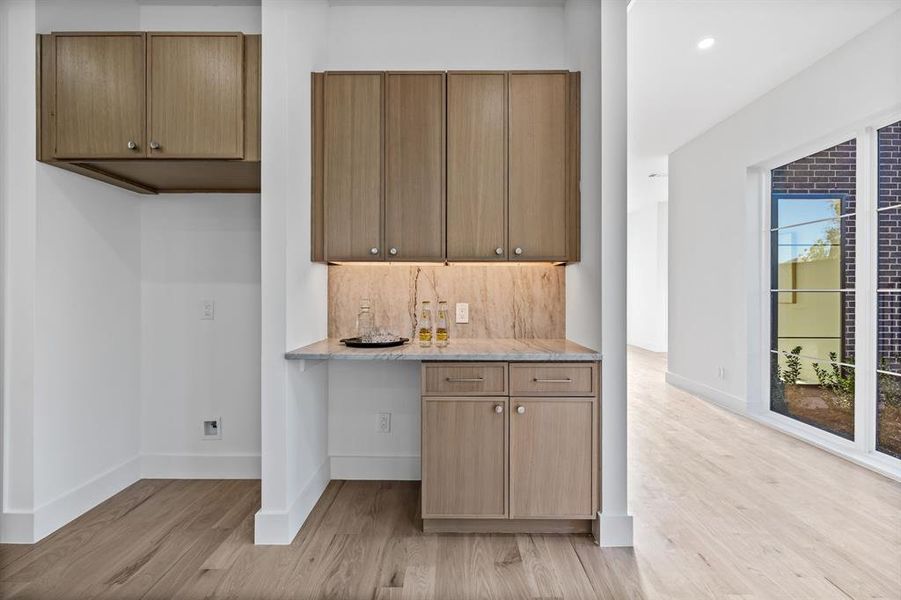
column 207, row 310
column 212, row 429
column 721, row 373
column 384, row 423
column 462, row 312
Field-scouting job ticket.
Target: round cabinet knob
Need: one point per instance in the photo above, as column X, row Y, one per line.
column 154, row 145
column 132, row 145
column 373, row 251
column 498, row 251
column 393, row 251
column 517, row 251
column 498, row 408
column 520, row 410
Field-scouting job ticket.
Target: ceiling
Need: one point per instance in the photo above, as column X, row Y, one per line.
column 677, row 91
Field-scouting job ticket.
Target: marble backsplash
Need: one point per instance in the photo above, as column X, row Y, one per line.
column 505, row 301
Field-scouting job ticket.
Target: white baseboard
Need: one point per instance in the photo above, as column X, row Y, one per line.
column 200, row 466
column 614, row 531
column 705, row 392
column 398, row 468
column 17, row 528
column 30, row 527
column 280, row 527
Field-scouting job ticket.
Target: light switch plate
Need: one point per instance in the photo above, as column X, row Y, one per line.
column 462, row 312
column 207, row 310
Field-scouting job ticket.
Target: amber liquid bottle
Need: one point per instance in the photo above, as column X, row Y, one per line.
column 442, row 336
column 425, row 325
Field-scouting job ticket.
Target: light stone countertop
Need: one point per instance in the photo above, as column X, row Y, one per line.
column 459, row 349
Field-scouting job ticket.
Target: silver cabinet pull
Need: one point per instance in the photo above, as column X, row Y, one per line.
column 393, row 251
column 565, row 380
column 373, row 250
column 520, row 410
column 132, row 145
column 154, row 145
column 517, row 251
column 498, row 250
column 498, row 408
column 464, row 379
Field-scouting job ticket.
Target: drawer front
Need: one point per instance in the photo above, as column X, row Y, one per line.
column 553, row 379
column 464, row 379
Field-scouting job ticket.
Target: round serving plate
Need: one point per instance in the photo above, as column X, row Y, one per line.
column 355, row 342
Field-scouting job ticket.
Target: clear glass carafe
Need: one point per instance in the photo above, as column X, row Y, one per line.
column 365, row 321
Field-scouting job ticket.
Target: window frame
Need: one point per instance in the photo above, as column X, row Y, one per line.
column 862, row 449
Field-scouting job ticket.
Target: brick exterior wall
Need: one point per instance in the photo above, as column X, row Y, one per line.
column 889, row 141
column 833, row 170
column 830, row 171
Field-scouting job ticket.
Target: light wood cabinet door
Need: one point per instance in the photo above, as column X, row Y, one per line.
column 538, row 166
column 551, row 467
column 99, row 105
column 195, row 95
column 477, row 166
column 414, row 166
column 464, row 457
column 353, row 171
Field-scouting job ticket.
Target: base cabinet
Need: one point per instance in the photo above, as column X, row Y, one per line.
column 526, row 463
column 464, row 457
column 550, row 458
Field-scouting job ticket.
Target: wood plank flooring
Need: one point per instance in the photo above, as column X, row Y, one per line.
column 724, row 508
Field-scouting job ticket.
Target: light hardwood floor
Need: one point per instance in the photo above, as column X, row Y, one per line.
column 724, row 508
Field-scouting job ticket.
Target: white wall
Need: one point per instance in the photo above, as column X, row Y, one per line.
column 17, row 193
column 87, row 333
column 76, row 312
column 714, row 232
column 198, row 247
column 445, row 37
column 647, row 255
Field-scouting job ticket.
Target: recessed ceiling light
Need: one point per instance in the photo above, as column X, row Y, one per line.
column 706, row 43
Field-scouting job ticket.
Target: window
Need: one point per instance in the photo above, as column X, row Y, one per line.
column 888, row 293
column 812, row 289
column 835, row 342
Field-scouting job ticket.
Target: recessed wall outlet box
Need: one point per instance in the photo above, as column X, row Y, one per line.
column 384, row 423
column 207, row 310
column 462, row 312
column 212, row 429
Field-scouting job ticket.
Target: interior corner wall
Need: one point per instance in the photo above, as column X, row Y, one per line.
column 583, row 279
column 196, row 248
column 714, row 223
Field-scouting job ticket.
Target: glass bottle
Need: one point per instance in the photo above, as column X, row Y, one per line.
column 442, row 336
column 425, row 324
column 365, row 321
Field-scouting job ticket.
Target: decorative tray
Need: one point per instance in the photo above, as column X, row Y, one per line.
column 356, row 342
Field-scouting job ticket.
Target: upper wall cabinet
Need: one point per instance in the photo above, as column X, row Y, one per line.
column 414, row 163
column 195, row 97
column 477, row 166
column 99, row 104
column 463, row 166
column 354, row 173
column 126, row 107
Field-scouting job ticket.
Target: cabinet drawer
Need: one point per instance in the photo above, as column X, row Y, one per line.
column 553, row 379
column 464, row 379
